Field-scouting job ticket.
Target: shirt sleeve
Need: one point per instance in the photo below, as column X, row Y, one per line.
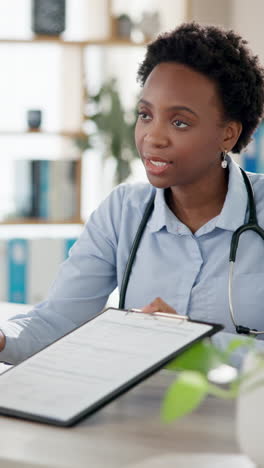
column 80, row 290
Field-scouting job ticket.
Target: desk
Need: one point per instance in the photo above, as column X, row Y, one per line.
column 124, row 432
column 128, row 430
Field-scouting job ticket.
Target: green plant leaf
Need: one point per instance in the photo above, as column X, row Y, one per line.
column 237, row 343
column 184, row 395
column 201, row 357
column 115, row 126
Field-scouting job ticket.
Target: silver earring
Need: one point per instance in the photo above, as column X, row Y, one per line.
column 224, row 161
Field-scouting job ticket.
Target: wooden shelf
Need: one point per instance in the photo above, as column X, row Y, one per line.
column 115, row 41
column 41, row 39
column 41, row 221
column 110, row 42
column 66, row 134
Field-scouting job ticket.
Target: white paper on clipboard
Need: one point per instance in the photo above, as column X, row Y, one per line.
column 93, row 364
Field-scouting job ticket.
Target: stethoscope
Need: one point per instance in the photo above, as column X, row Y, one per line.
column 251, row 225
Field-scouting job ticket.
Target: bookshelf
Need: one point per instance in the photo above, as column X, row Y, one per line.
column 74, row 51
column 67, row 135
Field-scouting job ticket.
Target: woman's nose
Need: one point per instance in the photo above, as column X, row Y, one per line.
column 156, row 136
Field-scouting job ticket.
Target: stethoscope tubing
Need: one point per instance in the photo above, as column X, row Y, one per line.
column 251, row 225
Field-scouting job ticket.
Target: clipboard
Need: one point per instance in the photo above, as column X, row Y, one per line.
column 95, row 363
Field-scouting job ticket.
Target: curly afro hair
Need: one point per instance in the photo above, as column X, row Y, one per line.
column 221, row 56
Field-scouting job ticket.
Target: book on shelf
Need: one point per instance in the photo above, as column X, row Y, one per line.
column 17, row 266
column 23, row 190
column 45, row 189
column 28, row 267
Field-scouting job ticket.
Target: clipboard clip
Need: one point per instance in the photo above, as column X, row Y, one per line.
column 158, row 314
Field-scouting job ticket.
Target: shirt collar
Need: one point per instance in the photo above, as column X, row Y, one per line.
column 160, row 214
column 231, row 217
column 234, row 210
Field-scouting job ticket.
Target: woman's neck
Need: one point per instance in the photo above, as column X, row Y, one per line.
column 195, row 204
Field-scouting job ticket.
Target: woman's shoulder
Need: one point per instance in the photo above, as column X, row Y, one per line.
column 134, row 195
column 257, row 181
column 135, row 188
column 126, row 202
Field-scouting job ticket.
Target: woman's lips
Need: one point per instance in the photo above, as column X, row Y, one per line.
column 156, row 166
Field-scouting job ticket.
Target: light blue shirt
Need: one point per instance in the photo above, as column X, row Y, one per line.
column 189, row 271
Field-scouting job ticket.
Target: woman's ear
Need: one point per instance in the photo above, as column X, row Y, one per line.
column 232, row 133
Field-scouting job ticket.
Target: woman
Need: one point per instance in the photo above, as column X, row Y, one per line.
column 202, row 97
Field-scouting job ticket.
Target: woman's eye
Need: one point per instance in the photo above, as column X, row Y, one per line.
column 180, row 124
column 143, row 116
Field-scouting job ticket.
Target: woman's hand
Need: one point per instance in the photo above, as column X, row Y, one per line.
column 2, row 341
column 158, row 305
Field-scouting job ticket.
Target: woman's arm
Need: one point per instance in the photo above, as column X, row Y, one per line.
column 79, row 292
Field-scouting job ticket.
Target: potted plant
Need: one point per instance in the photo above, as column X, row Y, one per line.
column 114, row 126
column 250, row 408
column 194, row 382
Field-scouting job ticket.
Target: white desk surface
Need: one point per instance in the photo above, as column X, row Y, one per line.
column 195, row 460
column 125, row 433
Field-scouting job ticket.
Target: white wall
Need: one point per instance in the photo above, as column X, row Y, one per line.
column 247, row 19
column 241, row 15
column 210, row 11
column 87, row 19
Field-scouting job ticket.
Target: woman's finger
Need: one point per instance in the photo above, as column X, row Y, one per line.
column 158, row 305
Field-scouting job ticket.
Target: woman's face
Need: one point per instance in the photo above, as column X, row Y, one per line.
column 179, row 132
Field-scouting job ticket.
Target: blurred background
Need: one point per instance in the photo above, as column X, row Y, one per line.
column 67, row 111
